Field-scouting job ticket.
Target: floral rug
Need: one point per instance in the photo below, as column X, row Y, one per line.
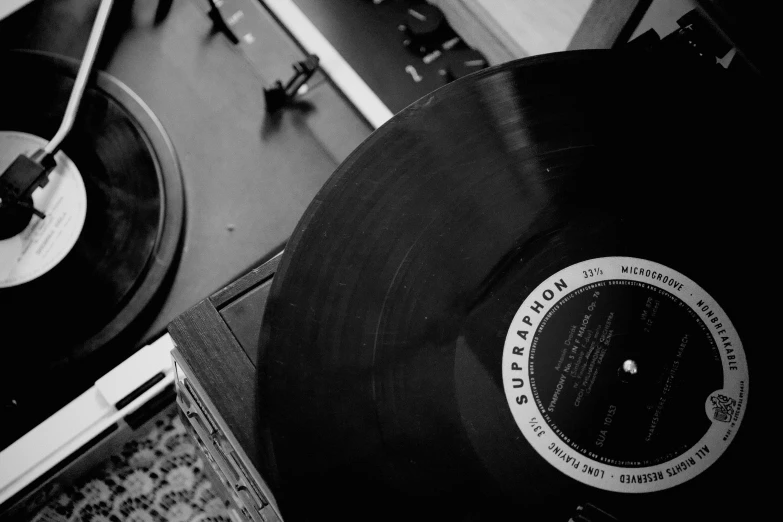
column 156, row 478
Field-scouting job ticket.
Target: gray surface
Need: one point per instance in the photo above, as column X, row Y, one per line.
column 245, row 188
column 248, row 178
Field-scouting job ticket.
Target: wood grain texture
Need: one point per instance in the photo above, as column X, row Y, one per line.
column 223, row 370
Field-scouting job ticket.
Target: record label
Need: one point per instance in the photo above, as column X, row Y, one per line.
column 625, row 375
column 44, row 242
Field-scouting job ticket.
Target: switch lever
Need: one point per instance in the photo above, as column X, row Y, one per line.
column 219, row 23
column 281, row 95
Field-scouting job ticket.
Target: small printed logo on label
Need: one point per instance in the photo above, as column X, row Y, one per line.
column 722, row 407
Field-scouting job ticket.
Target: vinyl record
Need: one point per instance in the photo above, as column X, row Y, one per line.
column 401, row 301
column 128, row 189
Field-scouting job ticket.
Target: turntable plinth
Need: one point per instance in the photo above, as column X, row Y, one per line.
column 217, row 350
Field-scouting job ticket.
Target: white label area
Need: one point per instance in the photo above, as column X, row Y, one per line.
column 625, row 375
column 44, row 242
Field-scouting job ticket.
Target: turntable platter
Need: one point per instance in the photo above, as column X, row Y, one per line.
column 103, row 260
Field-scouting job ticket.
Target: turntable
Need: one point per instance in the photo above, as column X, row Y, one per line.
column 510, row 300
column 487, row 224
column 186, row 182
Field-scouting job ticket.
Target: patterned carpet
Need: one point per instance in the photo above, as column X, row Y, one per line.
column 156, row 478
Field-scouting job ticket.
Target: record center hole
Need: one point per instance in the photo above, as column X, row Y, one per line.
column 628, row 371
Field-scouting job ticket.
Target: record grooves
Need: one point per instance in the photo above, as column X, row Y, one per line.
column 385, row 326
column 539, row 287
column 131, row 233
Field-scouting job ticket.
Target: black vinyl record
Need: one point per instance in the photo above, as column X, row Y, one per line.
column 130, row 234
column 388, row 320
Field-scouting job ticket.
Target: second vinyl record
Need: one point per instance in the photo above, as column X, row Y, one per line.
column 412, row 275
